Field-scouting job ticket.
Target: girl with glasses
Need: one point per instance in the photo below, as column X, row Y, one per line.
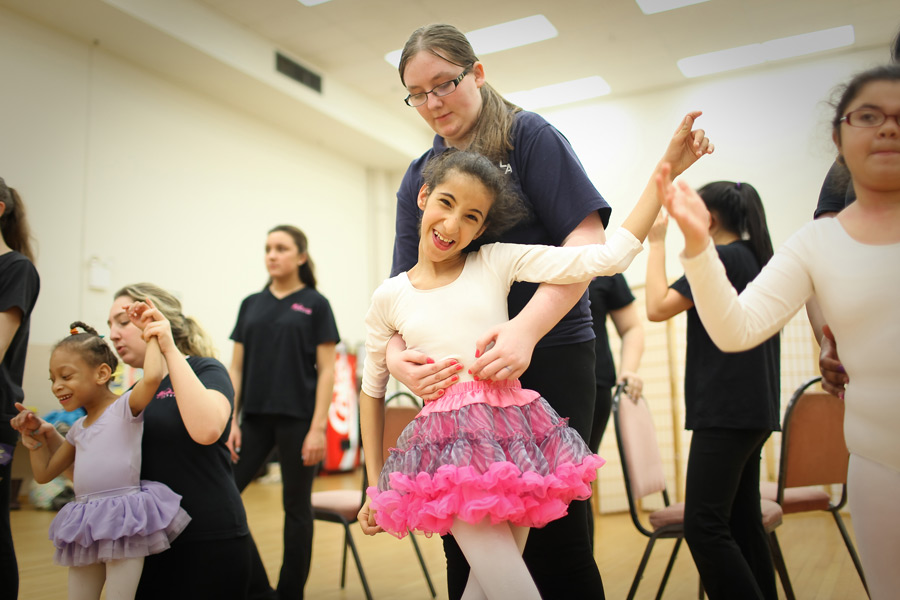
column 850, row 264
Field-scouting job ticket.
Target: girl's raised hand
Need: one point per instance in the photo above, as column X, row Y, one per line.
column 689, row 211
column 660, row 225
column 687, row 145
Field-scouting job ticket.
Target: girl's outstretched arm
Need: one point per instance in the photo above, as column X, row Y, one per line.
column 142, row 393
column 512, row 343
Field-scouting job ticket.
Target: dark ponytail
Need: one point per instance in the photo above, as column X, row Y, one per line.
column 13, row 223
column 739, row 210
column 92, row 348
column 307, row 269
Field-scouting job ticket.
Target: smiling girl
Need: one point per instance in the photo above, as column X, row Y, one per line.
column 116, row 519
column 488, row 460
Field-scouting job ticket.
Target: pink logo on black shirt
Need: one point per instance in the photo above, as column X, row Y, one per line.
column 296, row 306
column 167, row 393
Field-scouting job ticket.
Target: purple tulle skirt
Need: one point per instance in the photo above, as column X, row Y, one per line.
column 485, row 449
column 124, row 523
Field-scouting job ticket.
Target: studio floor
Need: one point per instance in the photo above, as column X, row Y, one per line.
column 817, row 560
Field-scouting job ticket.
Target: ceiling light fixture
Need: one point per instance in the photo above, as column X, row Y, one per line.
column 501, row 37
column 773, row 50
column 312, row 2
column 649, row 7
column 560, row 93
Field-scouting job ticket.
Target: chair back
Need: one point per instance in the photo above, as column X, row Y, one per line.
column 813, row 450
column 642, row 463
column 396, row 417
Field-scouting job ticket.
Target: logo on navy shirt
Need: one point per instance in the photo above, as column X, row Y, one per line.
column 166, row 393
column 507, row 168
column 296, row 306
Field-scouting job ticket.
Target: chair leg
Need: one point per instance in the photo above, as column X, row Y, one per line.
column 424, row 568
column 344, row 559
column 641, row 567
column 362, row 575
column 665, row 579
column 780, row 566
column 850, row 548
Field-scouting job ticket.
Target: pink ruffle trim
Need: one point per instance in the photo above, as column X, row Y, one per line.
column 429, row 503
column 503, row 394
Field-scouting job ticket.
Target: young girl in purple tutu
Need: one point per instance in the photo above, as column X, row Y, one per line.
column 488, row 460
column 116, row 519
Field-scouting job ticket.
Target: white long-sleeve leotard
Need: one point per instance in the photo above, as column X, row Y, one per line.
column 858, row 288
column 445, row 322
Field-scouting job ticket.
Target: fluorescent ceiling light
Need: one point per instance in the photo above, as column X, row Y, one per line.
column 755, row 54
column 560, row 93
column 312, row 2
column 501, row 37
column 649, row 7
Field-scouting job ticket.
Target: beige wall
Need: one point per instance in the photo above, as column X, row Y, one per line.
column 159, row 183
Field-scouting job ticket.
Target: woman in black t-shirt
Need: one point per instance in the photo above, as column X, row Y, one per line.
column 283, row 374
column 186, row 427
column 731, row 401
column 19, row 286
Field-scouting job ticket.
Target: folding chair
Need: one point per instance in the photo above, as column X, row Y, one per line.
column 642, row 467
column 813, row 454
column 342, row 506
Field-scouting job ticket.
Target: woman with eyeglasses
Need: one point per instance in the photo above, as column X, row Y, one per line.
column 548, row 344
column 850, row 263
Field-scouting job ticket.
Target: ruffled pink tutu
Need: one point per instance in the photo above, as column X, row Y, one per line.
column 485, row 449
column 125, row 523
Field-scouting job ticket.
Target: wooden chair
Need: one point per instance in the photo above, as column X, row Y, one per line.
column 342, row 506
column 642, row 467
column 813, row 454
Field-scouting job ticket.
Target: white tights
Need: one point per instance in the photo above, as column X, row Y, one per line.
column 873, row 491
column 121, row 578
column 494, row 554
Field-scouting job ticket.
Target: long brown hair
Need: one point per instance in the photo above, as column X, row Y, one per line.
column 492, row 132
column 13, row 222
column 189, row 337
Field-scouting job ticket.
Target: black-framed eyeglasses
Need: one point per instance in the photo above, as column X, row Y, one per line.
column 444, row 89
column 868, row 117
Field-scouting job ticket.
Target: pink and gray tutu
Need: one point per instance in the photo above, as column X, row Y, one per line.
column 125, row 523
column 484, row 449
